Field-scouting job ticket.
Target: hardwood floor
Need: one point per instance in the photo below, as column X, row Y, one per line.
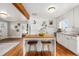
column 62, row 51
column 45, row 53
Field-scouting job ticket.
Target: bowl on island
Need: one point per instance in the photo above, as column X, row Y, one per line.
column 41, row 34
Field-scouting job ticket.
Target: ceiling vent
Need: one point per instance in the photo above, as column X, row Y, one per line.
column 34, row 14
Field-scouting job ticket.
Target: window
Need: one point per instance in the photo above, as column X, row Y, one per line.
column 64, row 24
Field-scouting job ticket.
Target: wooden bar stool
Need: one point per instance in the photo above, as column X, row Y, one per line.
column 32, row 53
column 46, row 43
column 32, row 43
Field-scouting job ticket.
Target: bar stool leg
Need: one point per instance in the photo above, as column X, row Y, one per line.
column 48, row 47
column 42, row 50
column 42, row 47
column 29, row 48
column 35, row 48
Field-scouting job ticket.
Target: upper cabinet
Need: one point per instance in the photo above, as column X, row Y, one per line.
column 76, row 17
column 72, row 16
column 69, row 16
column 66, row 20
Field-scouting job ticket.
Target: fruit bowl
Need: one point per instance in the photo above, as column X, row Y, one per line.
column 41, row 34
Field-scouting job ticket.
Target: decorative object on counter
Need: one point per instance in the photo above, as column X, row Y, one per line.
column 41, row 34
column 59, row 30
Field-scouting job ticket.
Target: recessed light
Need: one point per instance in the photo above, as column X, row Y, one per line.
column 51, row 9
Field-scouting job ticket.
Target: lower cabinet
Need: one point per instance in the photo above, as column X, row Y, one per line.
column 73, row 44
column 69, row 42
column 60, row 39
column 65, row 41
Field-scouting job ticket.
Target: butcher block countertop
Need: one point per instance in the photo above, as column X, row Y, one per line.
column 37, row 36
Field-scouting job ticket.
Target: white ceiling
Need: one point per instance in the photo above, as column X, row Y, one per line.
column 41, row 9
column 38, row 9
column 15, row 14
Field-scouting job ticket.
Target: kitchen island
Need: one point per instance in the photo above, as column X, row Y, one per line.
column 46, row 37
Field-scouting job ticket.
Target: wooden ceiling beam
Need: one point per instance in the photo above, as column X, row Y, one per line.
column 22, row 9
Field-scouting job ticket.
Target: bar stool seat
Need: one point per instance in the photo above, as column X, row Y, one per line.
column 32, row 42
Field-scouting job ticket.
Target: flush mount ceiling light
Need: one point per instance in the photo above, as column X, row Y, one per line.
column 3, row 14
column 51, row 9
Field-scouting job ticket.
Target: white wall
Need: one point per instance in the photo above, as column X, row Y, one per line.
column 35, row 28
column 14, row 16
column 12, row 30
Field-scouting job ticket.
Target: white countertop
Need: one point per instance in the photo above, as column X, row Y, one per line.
column 5, row 47
column 70, row 34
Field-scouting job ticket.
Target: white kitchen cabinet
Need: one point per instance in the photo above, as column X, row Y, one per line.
column 69, row 42
column 62, row 41
column 76, row 17
column 59, row 38
column 65, row 41
column 73, row 44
